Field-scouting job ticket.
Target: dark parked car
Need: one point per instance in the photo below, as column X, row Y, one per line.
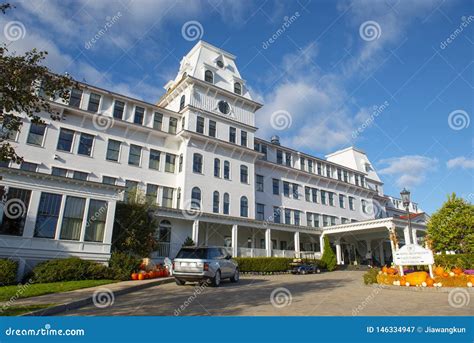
column 305, row 269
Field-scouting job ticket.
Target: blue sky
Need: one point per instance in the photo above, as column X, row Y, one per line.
column 379, row 75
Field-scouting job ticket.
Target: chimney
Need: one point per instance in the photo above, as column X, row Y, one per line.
column 275, row 140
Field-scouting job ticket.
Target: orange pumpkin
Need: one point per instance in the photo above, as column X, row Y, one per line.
column 445, row 274
column 417, row 278
column 384, row 269
column 403, row 282
column 439, row 271
column 429, row 282
column 134, row 276
column 457, row 271
column 391, row 271
column 141, row 276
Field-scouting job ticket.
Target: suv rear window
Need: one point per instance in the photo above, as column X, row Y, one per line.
column 201, row 253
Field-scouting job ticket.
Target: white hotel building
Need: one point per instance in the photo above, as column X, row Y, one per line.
column 195, row 148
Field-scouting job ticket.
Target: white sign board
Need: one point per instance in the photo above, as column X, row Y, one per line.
column 413, row 255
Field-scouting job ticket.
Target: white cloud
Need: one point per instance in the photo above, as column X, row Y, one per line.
column 409, row 171
column 461, row 162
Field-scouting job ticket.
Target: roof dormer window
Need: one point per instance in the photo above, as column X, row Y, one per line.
column 209, row 76
column 238, row 88
column 220, row 64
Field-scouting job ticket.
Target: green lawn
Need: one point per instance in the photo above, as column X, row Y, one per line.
column 19, row 310
column 33, row 290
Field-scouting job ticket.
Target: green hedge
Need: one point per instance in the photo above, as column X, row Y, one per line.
column 69, row 269
column 8, row 270
column 370, row 276
column 269, row 264
column 464, row 261
column 121, row 265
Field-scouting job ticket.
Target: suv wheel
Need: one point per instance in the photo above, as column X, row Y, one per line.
column 236, row 276
column 216, row 280
column 179, row 282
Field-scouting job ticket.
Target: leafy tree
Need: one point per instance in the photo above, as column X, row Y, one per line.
column 451, row 228
column 134, row 227
column 188, row 242
column 26, row 86
column 329, row 257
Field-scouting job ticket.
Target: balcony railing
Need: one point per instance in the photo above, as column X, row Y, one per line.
column 251, row 252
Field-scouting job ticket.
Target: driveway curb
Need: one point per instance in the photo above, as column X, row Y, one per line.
column 53, row 310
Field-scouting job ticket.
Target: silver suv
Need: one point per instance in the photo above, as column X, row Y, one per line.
column 204, row 264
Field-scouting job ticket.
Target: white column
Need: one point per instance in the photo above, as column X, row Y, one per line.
column 268, row 242
column 234, row 240
column 413, row 233
column 382, row 256
column 30, row 222
column 109, row 222
column 195, row 232
column 338, row 251
column 406, row 235
column 368, row 254
column 297, row 244
column 321, row 244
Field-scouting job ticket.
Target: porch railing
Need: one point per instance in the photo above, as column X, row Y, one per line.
column 162, row 249
column 251, row 252
column 310, row 254
column 283, row 253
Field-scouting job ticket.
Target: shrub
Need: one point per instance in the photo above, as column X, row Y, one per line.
column 69, row 269
column 121, row 265
column 269, row 264
column 329, row 257
column 370, row 276
column 464, row 261
column 8, row 270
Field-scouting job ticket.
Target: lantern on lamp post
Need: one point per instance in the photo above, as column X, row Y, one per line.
column 405, row 194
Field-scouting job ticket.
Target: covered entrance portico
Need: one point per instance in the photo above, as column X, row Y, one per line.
column 371, row 242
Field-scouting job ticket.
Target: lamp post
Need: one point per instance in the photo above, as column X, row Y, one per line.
column 405, row 194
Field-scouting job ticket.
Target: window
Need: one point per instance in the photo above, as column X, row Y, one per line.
column 215, row 202
column 95, row 225
column 320, row 168
column 310, row 166
column 17, row 202
column 288, row 159
column 197, row 163
column 244, row 174
column 264, row 151
column 328, row 171
column 196, row 198
column 287, row 216
column 220, row 64
column 243, row 138
column 226, row 203
column 85, row 144
column 113, row 150
column 28, row 166
column 131, row 188
column 286, row 188
column 279, row 157
column 217, row 167
column 237, row 88
column 227, row 170
column 135, row 155
column 139, row 114
column 154, row 162
column 276, row 215
column 302, row 163
column 333, row 220
column 182, row 102
column 315, row 220
column 297, row 217
column 223, row 106
column 158, row 121
column 356, row 177
column 7, row 127
column 295, row 191
column 209, row 76
column 323, row 197
column 73, row 218
column 36, row 134
column 232, row 133
column 212, row 128
column 307, row 193
column 331, row 198
column 78, row 175
column 342, row 201
column 170, row 163
column 151, row 193
column 75, row 98
column 351, row 203
column 58, row 171
column 94, row 101
column 344, row 220
column 276, row 186
column 200, row 125
column 164, row 231
column 244, row 207
column 66, row 138
column 309, row 219
column 119, row 107
column 314, row 194
column 325, row 220
column 346, row 176
column 364, row 206
column 260, row 209
column 48, row 215
column 180, row 168
column 167, row 200
column 173, row 125
column 259, row 183
column 108, row 180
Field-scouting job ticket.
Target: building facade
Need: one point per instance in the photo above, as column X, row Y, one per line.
column 196, row 157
